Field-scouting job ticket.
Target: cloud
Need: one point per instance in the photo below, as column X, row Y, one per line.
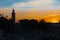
column 8, row 3
column 36, row 4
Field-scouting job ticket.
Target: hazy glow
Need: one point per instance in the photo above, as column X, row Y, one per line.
column 49, row 16
column 54, row 21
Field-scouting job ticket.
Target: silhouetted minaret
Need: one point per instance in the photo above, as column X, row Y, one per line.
column 13, row 16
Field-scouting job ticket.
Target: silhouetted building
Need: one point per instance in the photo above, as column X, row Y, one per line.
column 59, row 21
column 13, row 16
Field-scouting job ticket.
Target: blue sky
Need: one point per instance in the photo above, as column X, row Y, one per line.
column 7, row 3
column 30, row 4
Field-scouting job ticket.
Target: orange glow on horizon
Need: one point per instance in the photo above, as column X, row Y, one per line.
column 54, row 21
column 49, row 16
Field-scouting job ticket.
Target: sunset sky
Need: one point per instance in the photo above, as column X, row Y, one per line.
column 32, row 9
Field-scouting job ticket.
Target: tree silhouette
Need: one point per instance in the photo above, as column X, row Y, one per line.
column 24, row 23
column 29, row 24
column 33, row 23
column 4, row 24
column 42, row 24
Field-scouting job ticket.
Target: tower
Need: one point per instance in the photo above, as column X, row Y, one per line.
column 13, row 16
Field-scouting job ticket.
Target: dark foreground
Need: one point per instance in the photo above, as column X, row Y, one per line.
column 31, row 34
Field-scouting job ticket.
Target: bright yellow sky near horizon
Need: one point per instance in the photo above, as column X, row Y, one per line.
column 49, row 15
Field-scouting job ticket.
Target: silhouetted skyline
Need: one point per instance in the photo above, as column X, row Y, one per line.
column 29, row 19
column 10, row 27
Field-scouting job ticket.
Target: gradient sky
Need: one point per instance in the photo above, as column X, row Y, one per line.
column 32, row 9
column 28, row 4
